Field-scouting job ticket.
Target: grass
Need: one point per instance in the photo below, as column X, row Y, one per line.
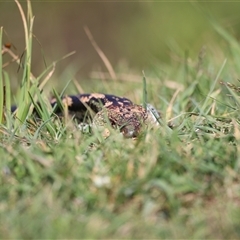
column 57, row 182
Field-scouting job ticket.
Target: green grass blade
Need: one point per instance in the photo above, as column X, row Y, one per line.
column 7, row 98
column 144, row 91
column 24, row 99
column 204, row 106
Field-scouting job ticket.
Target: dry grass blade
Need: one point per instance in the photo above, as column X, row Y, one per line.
column 25, row 25
column 144, row 91
column 78, row 86
column 15, row 58
column 49, row 75
column 170, row 106
column 41, row 160
column 42, row 84
column 101, row 54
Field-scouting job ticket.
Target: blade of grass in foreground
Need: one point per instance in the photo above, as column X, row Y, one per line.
column 24, row 99
column 43, row 112
column 7, row 100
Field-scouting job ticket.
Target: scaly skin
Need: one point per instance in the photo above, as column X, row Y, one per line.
column 104, row 109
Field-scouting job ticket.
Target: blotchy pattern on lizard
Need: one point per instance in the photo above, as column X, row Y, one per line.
column 107, row 109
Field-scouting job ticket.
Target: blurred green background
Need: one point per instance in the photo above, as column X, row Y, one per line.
column 134, row 34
